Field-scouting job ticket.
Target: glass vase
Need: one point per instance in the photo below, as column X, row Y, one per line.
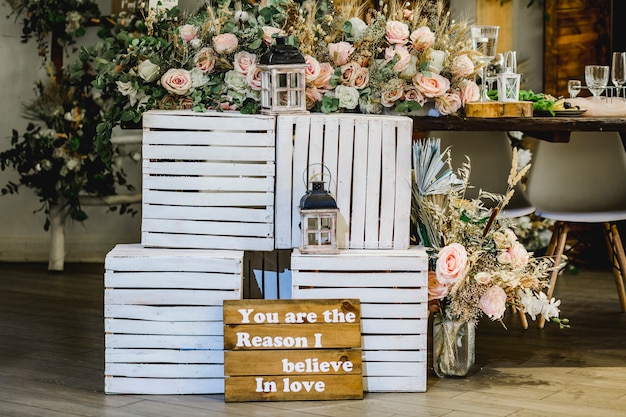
column 454, row 344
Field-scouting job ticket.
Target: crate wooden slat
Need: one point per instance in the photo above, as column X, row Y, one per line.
column 208, row 180
column 369, row 161
column 393, row 289
column 163, row 318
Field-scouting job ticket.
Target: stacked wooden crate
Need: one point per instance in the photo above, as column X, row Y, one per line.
column 163, row 318
column 393, row 289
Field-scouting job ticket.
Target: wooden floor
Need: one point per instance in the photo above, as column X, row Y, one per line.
column 51, row 360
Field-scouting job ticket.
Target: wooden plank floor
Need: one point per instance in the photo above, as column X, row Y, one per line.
column 52, row 342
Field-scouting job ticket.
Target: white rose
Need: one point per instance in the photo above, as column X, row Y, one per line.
column 358, row 27
column 198, row 78
column 127, row 89
column 148, row 71
column 348, row 96
column 235, row 81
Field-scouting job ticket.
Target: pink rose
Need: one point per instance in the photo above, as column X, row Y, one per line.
column 188, row 32
column 493, row 302
column 176, row 81
column 449, row 103
column 397, row 32
column 323, row 79
column 436, row 290
column 244, row 61
column 470, row 92
column 389, row 97
column 269, row 33
column 312, row 71
column 313, row 95
column 462, row 66
column 225, row 43
column 408, row 14
column 516, row 256
column 451, row 262
column 253, row 78
column 411, row 93
column 404, row 58
column 205, row 60
column 340, row 52
column 422, row 38
column 433, row 86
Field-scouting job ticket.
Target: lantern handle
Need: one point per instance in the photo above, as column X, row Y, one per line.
column 308, row 180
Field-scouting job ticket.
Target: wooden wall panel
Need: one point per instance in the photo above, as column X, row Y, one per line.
column 576, row 33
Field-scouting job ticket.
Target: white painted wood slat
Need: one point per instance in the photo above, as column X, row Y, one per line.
column 369, row 160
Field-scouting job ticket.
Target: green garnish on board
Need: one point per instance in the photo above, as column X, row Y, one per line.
column 541, row 102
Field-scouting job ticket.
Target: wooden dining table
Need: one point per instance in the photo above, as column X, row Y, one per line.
column 553, row 129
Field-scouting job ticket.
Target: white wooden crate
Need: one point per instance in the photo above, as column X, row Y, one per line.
column 208, row 180
column 393, row 289
column 369, row 159
column 163, row 318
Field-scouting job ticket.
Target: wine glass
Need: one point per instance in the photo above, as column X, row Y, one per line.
column 573, row 88
column 618, row 70
column 484, row 40
column 597, row 78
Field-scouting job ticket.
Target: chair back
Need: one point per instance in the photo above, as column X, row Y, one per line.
column 490, row 157
column 586, row 174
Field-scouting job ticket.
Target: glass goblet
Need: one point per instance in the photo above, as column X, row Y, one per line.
column 618, row 70
column 597, row 78
column 484, row 41
column 573, row 88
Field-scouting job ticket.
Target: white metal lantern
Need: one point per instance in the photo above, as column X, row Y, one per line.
column 508, row 85
column 318, row 220
column 283, row 84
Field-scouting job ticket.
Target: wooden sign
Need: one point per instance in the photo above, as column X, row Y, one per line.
column 280, row 350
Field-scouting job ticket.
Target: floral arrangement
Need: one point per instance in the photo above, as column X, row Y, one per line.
column 66, row 19
column 359, row 59
column 479, row 267
column 56, row 155
column 60, row 155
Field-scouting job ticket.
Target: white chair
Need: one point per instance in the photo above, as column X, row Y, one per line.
column 582, row 181
column 490, row 156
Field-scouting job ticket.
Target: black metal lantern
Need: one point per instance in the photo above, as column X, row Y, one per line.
column 283, row 83
column 318, row 211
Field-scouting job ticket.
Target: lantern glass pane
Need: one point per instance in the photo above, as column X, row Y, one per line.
column 312, row 238
column 282, row 80
column 312, row 223
column 325, row 223
column 325, row 238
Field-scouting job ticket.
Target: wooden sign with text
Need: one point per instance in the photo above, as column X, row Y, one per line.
column 281, row 350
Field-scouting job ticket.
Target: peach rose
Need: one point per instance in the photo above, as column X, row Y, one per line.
column 362, row 78
column 205, row 60
column 389, row 97
column 482, row 278
column 340, row 52
column 436, row 290
column 451, row 262
column 176, row 81
column 433, row 86
column 422, row 38
column 253, row 78
column 188, row 32
column 313, row 95
column 396, row 32
column 323, row 79
column 269, row 33
column 312, row 71
column 411, row 93
column 470, row 92
column 225, row 43
column 493, row 302
column 404, row 58
column 243, row 62
column 349, row 72
column 462, row 66
column 448, row 103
